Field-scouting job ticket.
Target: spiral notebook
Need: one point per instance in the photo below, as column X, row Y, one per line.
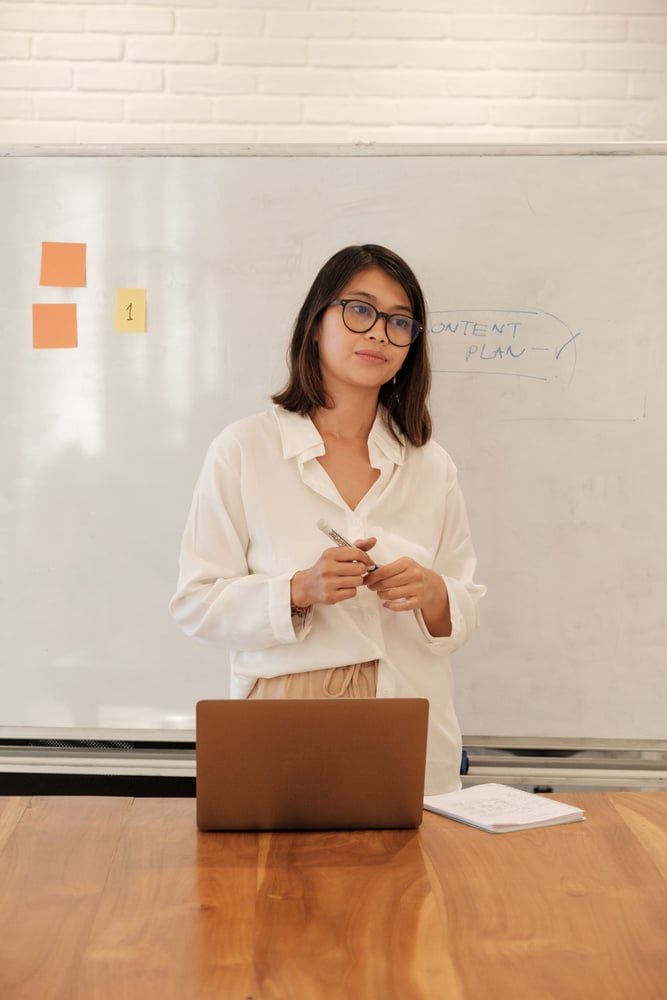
column 311, row 764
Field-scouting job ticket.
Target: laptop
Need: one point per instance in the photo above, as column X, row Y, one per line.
column 310, row 764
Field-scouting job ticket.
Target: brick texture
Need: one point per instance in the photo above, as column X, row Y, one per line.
column 86, row 71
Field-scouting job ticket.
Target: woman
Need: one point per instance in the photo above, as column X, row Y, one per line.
column 348, row 442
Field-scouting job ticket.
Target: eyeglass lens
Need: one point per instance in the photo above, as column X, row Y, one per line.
column 361, row 316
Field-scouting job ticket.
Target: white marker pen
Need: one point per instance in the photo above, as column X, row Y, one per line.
column 338, row 539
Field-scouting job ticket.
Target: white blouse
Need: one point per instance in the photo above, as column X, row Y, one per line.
column 253, row 524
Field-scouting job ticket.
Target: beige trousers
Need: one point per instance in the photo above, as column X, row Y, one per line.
column 358, row 680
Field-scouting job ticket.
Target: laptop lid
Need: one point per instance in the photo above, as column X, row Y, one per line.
column 310, row 764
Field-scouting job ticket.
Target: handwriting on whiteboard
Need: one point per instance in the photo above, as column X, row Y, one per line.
column 522, row 343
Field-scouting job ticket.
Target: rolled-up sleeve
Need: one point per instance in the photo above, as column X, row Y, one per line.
column 456, row 562
column 218, row 598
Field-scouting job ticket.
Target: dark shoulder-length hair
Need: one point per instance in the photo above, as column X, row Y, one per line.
column 405, row 400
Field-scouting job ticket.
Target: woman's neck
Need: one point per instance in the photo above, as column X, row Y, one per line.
column 349, row 418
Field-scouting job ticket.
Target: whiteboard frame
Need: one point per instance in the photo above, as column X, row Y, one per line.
column 292, row 150
column 330, row 150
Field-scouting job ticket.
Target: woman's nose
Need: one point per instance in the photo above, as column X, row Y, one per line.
column 378, row 330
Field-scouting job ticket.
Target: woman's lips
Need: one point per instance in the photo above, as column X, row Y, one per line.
column 373, row 357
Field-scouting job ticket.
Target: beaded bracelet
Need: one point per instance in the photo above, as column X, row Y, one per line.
column 301, row 612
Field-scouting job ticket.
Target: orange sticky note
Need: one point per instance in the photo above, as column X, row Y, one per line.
column 54, row 324
column 64, row 265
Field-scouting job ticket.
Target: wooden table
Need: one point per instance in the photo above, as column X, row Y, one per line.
column 123, row 898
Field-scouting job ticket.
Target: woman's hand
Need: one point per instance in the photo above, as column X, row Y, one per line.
column 405, row 585
column 335, row 577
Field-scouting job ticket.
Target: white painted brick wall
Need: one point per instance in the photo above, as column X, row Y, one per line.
column 107, row 71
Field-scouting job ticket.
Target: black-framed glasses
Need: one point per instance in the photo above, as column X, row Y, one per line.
column 360, row 317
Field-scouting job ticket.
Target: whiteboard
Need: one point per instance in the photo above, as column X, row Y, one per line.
column 545, row 270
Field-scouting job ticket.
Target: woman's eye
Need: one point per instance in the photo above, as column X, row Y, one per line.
column 401, row 322
column 360, row 309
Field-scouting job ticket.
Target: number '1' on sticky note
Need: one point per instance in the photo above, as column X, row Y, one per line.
column 130, row 310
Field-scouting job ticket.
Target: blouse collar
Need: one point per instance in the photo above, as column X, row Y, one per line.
column 301, row 438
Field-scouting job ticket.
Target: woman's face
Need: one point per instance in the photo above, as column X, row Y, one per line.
column 361, row 360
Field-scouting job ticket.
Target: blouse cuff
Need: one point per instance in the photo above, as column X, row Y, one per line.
column 287, row 627
column 450, row 642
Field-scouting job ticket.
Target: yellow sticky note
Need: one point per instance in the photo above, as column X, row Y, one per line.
column 130, row 310
column 54, row 324
column 63, row 264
